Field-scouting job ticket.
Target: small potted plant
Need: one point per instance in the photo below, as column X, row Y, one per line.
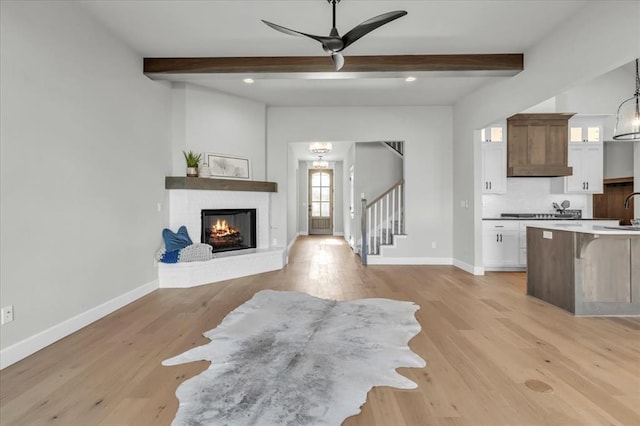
column 192, row 163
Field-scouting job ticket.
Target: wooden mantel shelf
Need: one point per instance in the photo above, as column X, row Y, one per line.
column 211, row 184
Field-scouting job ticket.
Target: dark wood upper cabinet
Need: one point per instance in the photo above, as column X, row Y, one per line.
column 537, row 145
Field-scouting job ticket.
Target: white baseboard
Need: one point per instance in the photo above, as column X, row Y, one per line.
column 291, row 244
column 33, row 344
column 338, row 234
column 379, row 260
column 475, row 270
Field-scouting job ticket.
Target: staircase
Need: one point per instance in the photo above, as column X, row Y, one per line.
column 382, row 219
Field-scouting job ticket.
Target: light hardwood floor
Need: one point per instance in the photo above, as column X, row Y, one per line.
column 494, row 356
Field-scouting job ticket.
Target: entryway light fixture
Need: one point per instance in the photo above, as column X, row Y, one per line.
column 320, row 163
column 320, row 147
column 628, row 117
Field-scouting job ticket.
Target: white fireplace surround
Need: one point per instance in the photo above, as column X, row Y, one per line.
column 185, row 208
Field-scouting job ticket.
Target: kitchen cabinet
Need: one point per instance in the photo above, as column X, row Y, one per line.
column 585, row 155
column 494, row 133
column 587, row 162
column 501, row 241
column 611, row 202
column 504, row 242
column 537, row 145
column 494, row 160
column 585, row 131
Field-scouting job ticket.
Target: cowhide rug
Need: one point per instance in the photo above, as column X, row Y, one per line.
column 287, row 358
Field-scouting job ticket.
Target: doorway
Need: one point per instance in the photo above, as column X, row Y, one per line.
column 320, row 202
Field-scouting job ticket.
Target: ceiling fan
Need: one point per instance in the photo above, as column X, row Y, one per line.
column 333, row 44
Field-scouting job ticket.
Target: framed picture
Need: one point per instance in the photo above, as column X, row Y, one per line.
column 228, row 167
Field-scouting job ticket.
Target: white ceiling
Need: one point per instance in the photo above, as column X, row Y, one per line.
column 165, row 28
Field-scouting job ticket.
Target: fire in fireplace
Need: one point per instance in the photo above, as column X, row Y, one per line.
column 229, row 229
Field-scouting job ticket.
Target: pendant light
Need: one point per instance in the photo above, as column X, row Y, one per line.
column 320, row 163
column 320, row 147
column 628, row 117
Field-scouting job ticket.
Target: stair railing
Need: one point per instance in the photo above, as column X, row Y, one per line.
column 397, row 146
column 381, row 219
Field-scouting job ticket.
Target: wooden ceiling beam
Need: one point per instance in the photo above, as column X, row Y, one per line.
column 509, row 62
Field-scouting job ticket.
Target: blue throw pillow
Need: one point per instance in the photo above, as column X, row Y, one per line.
column 170, row 257
column 176, row 241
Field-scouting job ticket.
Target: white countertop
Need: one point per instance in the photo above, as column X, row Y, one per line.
column 587, row 228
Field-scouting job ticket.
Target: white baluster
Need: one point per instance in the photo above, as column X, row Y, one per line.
column 400, row 201
column 393, row 211
column 369, row 233
column 386, row 219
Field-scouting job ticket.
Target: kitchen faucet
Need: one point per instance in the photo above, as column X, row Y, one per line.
column 626, row 200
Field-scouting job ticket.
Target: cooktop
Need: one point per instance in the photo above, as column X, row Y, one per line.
column 567, row 214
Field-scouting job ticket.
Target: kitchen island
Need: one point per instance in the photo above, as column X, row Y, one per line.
column 585, row 269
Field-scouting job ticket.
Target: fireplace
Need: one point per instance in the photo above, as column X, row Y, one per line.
column 229, row 229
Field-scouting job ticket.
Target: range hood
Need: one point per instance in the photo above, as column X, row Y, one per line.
column 537, row 145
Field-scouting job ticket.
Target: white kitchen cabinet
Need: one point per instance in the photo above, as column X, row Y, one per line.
column 501, row 243
column 504, row 242
column 586, row 156
column 494, row 159
column 494, row 133
column 587, row 159
column 585, row 131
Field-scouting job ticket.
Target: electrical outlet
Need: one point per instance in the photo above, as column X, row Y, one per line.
column 433, row 244
column 7, row 314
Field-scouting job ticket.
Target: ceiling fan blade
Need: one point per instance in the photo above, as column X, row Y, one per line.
column 338, row 60
column 369, row 25
column 286, row 30
column 330, row 43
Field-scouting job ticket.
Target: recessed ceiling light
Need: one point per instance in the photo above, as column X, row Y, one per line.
column 410, row 79
column 249, row 80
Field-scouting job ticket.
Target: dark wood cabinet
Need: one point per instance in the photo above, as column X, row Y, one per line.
column 610, row 204
column 537, row 145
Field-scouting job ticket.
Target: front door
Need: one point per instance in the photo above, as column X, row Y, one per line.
column 320, row 202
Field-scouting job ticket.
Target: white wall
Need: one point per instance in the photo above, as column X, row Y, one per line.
column 566, row 57
column 338, row 198
column 377, row 168
column 85, row 148
column 303, row 198
column 205, row 120
column 603, row 95
column 427, row 135
column 618, row 159
column 349, row 223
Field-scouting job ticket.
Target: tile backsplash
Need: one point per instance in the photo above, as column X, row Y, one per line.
column 532, row 195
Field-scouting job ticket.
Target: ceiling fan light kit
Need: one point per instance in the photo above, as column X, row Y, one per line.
column 334, row 44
